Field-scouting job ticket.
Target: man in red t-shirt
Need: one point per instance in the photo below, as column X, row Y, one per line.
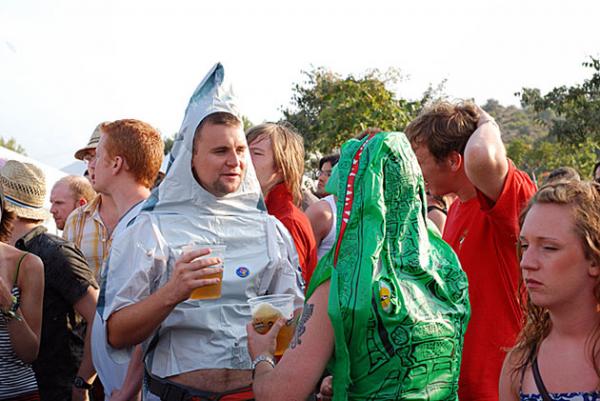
column 278, row 157
column 460, row 151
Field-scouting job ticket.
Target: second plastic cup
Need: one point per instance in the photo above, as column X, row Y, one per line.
column 212, row 291
column 265, row 312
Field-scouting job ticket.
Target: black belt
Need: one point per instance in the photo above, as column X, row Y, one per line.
column 169, row 391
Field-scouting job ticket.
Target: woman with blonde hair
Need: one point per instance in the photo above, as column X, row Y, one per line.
column 277, row 153
column 21, row 295
column 557, row 355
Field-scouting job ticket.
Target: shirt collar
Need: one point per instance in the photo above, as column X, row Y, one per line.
column 27, row 238
column 279, row 195
column 92, row 206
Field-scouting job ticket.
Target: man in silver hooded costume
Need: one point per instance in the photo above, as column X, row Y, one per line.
column 210, row 195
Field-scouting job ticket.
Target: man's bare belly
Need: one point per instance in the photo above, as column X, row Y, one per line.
column 214, row 380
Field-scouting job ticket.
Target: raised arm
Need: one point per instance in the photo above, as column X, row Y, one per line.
column 304, row 362
column 24, row 331
column 486, row 164
column 135, row 323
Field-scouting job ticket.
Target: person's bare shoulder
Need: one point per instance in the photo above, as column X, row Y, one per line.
column 320, row 216
column 510, row 377
column 320, row 209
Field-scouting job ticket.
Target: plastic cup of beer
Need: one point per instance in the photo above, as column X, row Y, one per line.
column 212, row 291
column 265, row 312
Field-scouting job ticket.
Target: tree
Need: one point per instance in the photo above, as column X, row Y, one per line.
column 546, row 154
column 576, row 109
column 168, row 141
column 247, row 123
column 327, row 109
column 12, row 145
column 518, row 122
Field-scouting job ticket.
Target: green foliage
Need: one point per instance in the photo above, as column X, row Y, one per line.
column 169, row 143
column 434, row 94
column 12, row 145
column 572, row 117
column 546, row 154
column 518, row 122
column 247, row 123
column 327, row 109
column 576, row 109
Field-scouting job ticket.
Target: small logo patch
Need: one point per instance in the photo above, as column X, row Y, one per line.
column 385, row 295
column 242, row 272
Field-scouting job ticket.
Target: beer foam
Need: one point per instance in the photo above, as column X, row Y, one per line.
column 266, row 311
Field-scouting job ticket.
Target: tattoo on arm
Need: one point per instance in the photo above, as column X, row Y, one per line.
column 306, row 314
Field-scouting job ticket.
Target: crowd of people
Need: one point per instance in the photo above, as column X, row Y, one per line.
column 424, row 266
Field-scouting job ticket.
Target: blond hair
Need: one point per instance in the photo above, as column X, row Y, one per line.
column 288, row 153
column 583, row 197
column 79, row 186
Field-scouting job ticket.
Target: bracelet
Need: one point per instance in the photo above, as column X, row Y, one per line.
column 262, row 358
column 11, row 313
column 491, row 120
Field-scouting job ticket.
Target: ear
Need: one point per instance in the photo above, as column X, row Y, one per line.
column 594, row 269
column 455, row 161
column 81, row 202
column 118, row 164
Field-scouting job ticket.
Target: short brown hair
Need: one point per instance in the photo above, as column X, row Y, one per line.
column 444, row 127
column 218, row 118
column 79, row 186
column 139, row 144
column 288, row 153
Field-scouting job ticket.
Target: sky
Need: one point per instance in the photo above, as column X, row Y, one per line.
column 66, row 66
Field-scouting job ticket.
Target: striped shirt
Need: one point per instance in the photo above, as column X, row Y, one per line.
column 16, row 376
column 85, row 228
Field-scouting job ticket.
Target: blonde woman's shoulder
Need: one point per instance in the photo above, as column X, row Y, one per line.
column 510, row 376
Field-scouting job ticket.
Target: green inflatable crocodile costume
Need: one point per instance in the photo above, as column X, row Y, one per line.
column 398, row 300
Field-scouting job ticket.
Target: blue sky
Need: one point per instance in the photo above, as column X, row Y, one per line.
column 67, row 65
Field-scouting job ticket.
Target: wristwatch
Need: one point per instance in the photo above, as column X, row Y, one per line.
column 78, row 382
column 262, row 358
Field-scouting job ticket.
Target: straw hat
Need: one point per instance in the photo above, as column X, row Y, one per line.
column 24, row 187
column 92, row 143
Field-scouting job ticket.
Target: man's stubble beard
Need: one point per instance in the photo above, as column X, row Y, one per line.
column 224, row 190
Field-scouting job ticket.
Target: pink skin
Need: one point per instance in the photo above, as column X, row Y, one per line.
column 63, row 203
column 555, row 270
column 261, row 151
column 437, row 174
column 325, row 173
column 219, row 161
